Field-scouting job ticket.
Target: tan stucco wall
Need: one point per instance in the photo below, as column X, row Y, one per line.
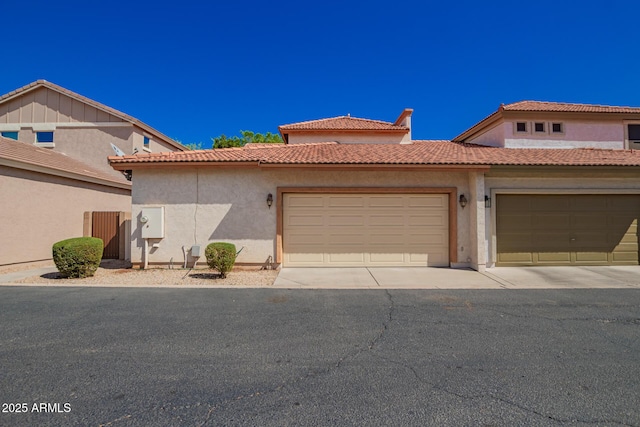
column 348, row 137
column 493, row 137
column 204, row 205
column 557, row 183
column 38, row 210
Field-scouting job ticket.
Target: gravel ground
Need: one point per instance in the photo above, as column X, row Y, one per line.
column 114, row 273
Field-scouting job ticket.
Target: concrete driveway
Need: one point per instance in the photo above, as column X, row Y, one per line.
column 447, row 278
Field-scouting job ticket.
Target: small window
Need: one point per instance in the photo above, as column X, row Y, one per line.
column 538, row 127
column 521, row 126
column 146, row 141
column 634, row 132
column 44, row 137
column 557, row 128
column 10, row 135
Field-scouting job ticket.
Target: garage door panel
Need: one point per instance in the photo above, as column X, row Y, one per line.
column 346, row 220
column 592, row 257
column 567, row 229
column 305, row 257
column 345, row 258
column 514, row 223
column 515, row 257
column 345, row 201
column 305, row 220
column 366, row 229
column 439, row 220
column 388, row 220
column 299, row 200
column 543, row 204
column 386, row 201
column 434, row 201
column 556, row 221
column 554, row 257
column 625, row 257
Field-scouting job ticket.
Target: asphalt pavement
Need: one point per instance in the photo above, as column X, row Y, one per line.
column 277, row 357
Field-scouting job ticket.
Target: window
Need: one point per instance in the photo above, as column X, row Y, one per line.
column 634, row 132
column 521, row 126
column 44, row 137
column 538, row 127
column 146, row 141
column 10, row 135
column 557, row 128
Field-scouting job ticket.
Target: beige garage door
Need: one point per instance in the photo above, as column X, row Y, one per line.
column 365, row 230
column 567, row 229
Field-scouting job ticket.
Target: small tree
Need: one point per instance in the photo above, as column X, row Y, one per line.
column 221, row 256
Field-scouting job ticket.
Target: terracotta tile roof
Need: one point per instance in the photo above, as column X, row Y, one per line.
column 567, row 107
column 95, row 104
column 344, row 123
column 418, row 153
column 15, row 153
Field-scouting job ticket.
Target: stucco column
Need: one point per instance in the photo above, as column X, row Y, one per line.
column 476, row 221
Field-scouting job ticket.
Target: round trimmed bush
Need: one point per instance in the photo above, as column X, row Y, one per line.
column 221, row 256
column 78, row 257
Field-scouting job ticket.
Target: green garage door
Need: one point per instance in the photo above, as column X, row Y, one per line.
column 567, row 229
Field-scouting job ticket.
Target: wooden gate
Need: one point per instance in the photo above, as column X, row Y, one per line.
column 106, row 226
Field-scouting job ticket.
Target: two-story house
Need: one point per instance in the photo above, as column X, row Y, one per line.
column 54, row 145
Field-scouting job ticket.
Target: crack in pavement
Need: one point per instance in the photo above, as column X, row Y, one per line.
column 498, row 398
column 311, row 374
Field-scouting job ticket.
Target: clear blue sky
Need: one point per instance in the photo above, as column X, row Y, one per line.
column 194, row 70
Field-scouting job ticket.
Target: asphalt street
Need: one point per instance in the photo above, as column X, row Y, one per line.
column 270, row 357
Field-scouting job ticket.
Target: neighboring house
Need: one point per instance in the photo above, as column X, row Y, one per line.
column 499, row 194
column 44, row 197
column 50, row 116
column 532, row 124
column 55, row 129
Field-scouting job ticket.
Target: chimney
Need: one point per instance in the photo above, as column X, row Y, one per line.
column 405, row 120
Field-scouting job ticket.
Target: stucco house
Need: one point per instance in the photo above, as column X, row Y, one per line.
column 50, row 116
column 54, row 145
column 44, row 196
column 534, row 183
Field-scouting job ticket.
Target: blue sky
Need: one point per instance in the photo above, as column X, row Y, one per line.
column 194, row 70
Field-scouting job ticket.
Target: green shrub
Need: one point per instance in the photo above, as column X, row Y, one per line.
column 221, row 256
column 78, row 257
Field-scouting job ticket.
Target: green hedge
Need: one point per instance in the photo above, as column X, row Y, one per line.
column 78, row 257
column 221, row 256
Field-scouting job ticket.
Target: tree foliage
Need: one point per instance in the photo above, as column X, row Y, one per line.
column 194, row 146
column 246, row 137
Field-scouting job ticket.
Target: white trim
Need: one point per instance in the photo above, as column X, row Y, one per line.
column 64, row 174
column 9, row 127
column 45, row 144
column 542, row 191
column 43, row 127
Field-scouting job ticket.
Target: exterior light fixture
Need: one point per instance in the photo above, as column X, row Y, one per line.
column 269, row 200
column 463, row 201
column 487, row 201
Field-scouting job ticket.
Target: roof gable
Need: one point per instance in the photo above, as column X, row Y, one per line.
column 35, row 86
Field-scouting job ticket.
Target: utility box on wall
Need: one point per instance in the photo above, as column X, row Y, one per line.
column 152, row 220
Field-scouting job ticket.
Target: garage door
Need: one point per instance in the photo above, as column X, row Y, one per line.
column 365, row 230
column 567, row 229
